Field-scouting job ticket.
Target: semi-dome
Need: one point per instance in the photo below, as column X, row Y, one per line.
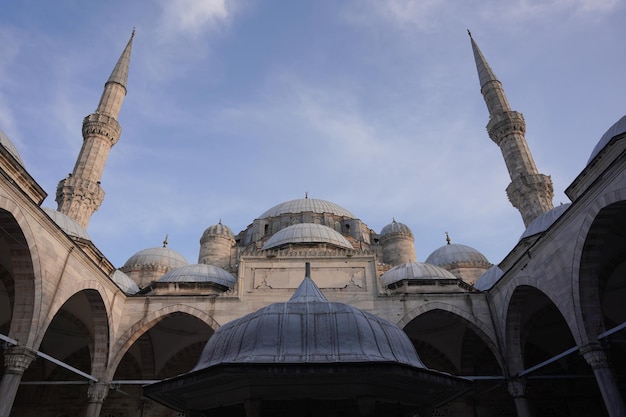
column 454, row 253
column 414, row 271
column 543, row 222
column 303, row 205
column 9, row 146
column 283, row 333
column 307, row 233
column 218, row 230
column 396, row 227
column 200, row 273
column 489, row 278
column 159, row 256
column 618, row 128
column 68, row 225
column 125, row 282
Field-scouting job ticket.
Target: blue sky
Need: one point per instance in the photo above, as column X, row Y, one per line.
column 236, row 106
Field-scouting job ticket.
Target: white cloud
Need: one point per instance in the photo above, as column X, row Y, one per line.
column 194, row 17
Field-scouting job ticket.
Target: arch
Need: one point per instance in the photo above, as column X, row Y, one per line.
column 125, row 341
column 483, row 332
column 21, row 250
column 600, row 249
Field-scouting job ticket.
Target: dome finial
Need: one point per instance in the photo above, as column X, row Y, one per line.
column 165, row 241
column 448, row 238
column 306, row 194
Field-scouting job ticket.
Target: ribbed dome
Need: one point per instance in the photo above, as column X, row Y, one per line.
column 307, row 233
column 306, row 205
column 414, row 271
column 200, row 273
column 490, row 277
column 158, row 256
column 455, row 253
column 396, row 227
column 218, row 230
column 125, row 282
column 543, row 222
column 6, row 142
column 69, row 226
column 308, row 329
column 617, row 129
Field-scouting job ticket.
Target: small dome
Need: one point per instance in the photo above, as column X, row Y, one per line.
column 307, row 233
column 454, row 253
column 396, row 227
column 6, row 142
column 218, row 230
column 200, row 273
column 617, row 129
column 125, row 282
column 283, row 333
column 543, row 222
column 306, row 205
column 415, row 271
column 68, row 225
column 160, row 256
column 490, row 277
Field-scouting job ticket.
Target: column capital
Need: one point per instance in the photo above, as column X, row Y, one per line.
column 517, row 387
column 17, row 359
column 594, row 354
column 97, row 392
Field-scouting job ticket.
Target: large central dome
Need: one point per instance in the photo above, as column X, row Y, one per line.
column 303, row 205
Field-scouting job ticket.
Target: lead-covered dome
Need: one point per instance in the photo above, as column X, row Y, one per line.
column 489, row 278
column 454, row 253
column 303, row 205
column 618, row 128
column 284, row 333
column 543, row 222
column 200, row 273
column 396, row 227
column 125, row 282
column 68, row 225
column 9, row 146
column 159, row 256
column 218, row 230
column 307, row 233
column 415, row 271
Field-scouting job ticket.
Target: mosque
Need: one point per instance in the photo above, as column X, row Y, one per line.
column 308, row 311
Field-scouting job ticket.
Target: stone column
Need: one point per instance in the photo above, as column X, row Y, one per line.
column 596, row 358
column 517, row 389
column 96, row 394
column 16, row 360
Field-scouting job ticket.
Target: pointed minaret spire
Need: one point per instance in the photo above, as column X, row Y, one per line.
column 80, row 195
column 530, row 192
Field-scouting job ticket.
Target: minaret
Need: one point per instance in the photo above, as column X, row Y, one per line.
column 80, row 194
column 529, row 191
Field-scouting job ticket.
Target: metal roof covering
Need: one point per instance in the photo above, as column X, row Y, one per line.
column 218, row 230
column 396, row 227
column 453, row 253
column 157, row 256
column 543, row 222
column 308, row 329
column 414, row 271
column 618, row 128
column 200, row 273
column 125, row 282
column 306, row 205
column 489, row 278
column 307, row 233
column 8, row 144
column 68, row 225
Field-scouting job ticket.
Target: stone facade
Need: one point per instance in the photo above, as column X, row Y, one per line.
column 542, row 340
